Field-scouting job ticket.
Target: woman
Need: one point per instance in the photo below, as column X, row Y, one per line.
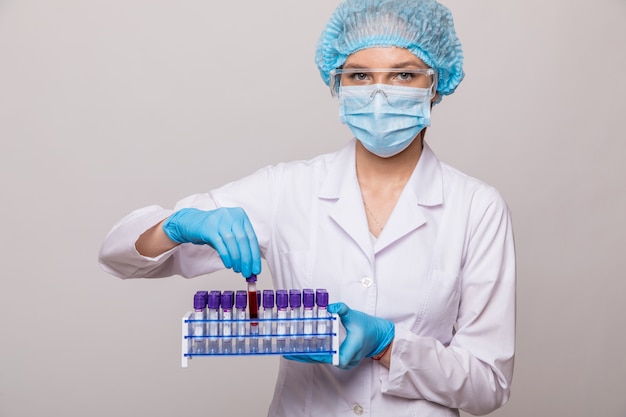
column 418, row 257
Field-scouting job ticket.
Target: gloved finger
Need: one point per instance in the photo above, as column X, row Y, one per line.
column 227, row 236
column 246, row 241
column 255, row 252
column 309, row 358
column 221, row 249
column 350, row 351
column 243, row 245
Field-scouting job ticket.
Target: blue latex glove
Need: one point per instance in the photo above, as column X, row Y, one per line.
column 366, row 336
column 227, row 230
column 325, row 358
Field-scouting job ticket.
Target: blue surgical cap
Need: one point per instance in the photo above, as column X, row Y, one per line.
column 424, row 27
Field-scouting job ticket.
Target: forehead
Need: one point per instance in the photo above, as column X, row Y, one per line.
column 383, row 57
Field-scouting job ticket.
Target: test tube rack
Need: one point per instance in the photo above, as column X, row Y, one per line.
column 260, row 336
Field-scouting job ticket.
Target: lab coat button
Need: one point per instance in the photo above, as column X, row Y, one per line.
column 358, row 410
column 367, row 282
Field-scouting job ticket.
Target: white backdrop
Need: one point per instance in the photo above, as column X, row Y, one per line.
column 107, row 106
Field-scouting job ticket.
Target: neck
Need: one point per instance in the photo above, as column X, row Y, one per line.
column 374, row 171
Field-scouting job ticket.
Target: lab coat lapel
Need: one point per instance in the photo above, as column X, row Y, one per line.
column 341, row 189
column 406, row 217
column 423, row 190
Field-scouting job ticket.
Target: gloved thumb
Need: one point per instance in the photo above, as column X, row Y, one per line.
column 338, row 308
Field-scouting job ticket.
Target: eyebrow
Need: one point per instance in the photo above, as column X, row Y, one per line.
column 404, row 64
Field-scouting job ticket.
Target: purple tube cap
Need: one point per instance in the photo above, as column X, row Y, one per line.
column 268, row 298
column 308, row 297
column 282, row 299
column 228, row 298
column 295, row 298
column 214, row 299
column 199, row 300
column 251, row 278
column 241, row 299
column 321, row 297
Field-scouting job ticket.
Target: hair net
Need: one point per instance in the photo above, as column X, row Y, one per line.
column 424, row 27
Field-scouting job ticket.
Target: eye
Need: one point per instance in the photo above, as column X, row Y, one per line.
column 405, row 76
column 359, row 76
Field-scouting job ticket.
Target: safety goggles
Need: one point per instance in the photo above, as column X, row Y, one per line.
column 401, row 77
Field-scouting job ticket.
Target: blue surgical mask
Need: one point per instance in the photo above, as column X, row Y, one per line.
column 385, row 118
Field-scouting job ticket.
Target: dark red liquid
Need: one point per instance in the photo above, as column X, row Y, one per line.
column 254, row 306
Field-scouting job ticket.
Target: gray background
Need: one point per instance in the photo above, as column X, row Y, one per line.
column 107, row 106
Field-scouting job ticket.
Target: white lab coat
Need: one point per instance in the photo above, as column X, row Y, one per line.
column 444, row 261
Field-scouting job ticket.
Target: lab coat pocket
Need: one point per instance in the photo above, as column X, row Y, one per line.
column 442, row 306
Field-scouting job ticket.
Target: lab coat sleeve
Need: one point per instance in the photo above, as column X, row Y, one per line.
column 474, row 371
column 118, row 255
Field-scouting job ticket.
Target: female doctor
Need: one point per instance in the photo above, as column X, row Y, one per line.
column 417, row 256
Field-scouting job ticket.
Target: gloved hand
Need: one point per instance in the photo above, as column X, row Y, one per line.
column 366, row 335
column 227, row 230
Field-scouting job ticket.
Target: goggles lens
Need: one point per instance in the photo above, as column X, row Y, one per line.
column 400, row 77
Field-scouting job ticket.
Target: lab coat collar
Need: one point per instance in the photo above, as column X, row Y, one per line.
column 342, row 186
column 424, row 188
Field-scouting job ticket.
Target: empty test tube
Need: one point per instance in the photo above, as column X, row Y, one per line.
column 227, row 325
column 214, row 315
column 308, row 304
column 198, row 344
column 241, row 301
column 295, row 328
column 321, row 299
column 282, row 302
column 267, row 314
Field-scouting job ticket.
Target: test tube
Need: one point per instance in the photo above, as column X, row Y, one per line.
column 282, row 302
column 268, row 314
column 241, row 301
column 295, row 330
column 227, row 325
column 205, row 294
column 253, row 306
column 308, row 303
column 323, row 340
column 198, row 344
column 214, row 316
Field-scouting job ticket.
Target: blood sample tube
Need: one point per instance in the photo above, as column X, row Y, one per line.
column 308, row 312
column 253, row 306
column 214, row 316
column 295, row 327
column 323, row 340
column 253, row 301
column 227, row 324
column 241, row 301
column 282, row 302
column 198, row 344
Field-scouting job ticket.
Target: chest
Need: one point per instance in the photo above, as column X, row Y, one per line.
column 412, row 280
